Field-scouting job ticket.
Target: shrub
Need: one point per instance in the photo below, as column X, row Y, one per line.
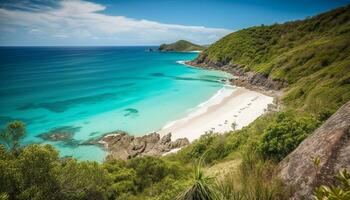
column 83, row 180
column 284, row 134
column 150, row 170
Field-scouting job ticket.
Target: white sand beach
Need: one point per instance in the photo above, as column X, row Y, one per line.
column 229, row 105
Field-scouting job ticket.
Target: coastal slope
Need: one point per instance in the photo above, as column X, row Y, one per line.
column 181, row 46
column 331, row 144
column 310, row 58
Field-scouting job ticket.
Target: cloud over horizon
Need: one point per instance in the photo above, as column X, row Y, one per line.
column 79, row 22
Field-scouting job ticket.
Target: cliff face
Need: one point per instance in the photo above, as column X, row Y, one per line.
column 331, row 143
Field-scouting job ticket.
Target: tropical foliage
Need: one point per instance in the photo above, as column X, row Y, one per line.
column 37, row 172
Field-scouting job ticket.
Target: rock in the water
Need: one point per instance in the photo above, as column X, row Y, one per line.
column 331, row 143
column 64, row 133
column 56, row 136
column 123, row 146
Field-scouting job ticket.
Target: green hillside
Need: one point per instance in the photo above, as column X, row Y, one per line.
column 311, row 55
column 181, row 45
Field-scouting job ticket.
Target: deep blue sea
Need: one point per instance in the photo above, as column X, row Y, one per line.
column 90, row 91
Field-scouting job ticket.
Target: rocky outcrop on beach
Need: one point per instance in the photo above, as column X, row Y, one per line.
column 243, row 78
column 120, row 145
column 331, row 144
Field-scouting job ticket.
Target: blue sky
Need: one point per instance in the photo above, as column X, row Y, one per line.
column 142, row 22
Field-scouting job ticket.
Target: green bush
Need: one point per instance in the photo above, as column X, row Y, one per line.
column 212, row 145
column 284, row 134
column 123, row 179
column 148, row 170
column 83, row 180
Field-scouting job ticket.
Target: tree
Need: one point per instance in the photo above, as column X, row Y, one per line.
column 12, row 135
column 9, row 174
column 38, row 167
column 83, row 180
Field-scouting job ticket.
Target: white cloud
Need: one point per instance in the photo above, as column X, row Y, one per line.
column 82, row 21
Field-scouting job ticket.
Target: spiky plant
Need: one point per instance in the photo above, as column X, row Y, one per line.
column 341, row 192
column 202, row 187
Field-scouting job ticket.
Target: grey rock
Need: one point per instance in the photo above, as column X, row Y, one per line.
column 120, row 145
column 244, row 78
column 331, row 143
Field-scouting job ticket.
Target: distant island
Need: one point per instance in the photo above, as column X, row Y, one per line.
column 182, row 46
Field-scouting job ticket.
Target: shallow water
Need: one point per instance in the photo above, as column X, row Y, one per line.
column 90, row 91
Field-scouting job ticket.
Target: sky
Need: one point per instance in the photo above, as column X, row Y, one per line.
column 142, row 22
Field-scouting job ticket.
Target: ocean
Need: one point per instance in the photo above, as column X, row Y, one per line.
column 91, row 91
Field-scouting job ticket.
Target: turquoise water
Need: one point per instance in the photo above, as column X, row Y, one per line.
column 91, row 91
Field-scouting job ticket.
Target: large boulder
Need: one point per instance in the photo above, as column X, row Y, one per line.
column 330, row 143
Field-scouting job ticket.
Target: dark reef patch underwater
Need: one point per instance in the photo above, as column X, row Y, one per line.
column 61, row 106
column 132, row 112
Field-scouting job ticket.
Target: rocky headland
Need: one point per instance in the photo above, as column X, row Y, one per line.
column 121, row 145
column 243, row 78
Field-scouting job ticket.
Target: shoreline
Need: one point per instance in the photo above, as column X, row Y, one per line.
column 241, row 79
column 229, row 105
column 230, row 108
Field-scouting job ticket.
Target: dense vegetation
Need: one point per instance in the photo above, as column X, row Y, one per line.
column 284, row 134
column 181, row 45
column 311, row 55
column 37, row 172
